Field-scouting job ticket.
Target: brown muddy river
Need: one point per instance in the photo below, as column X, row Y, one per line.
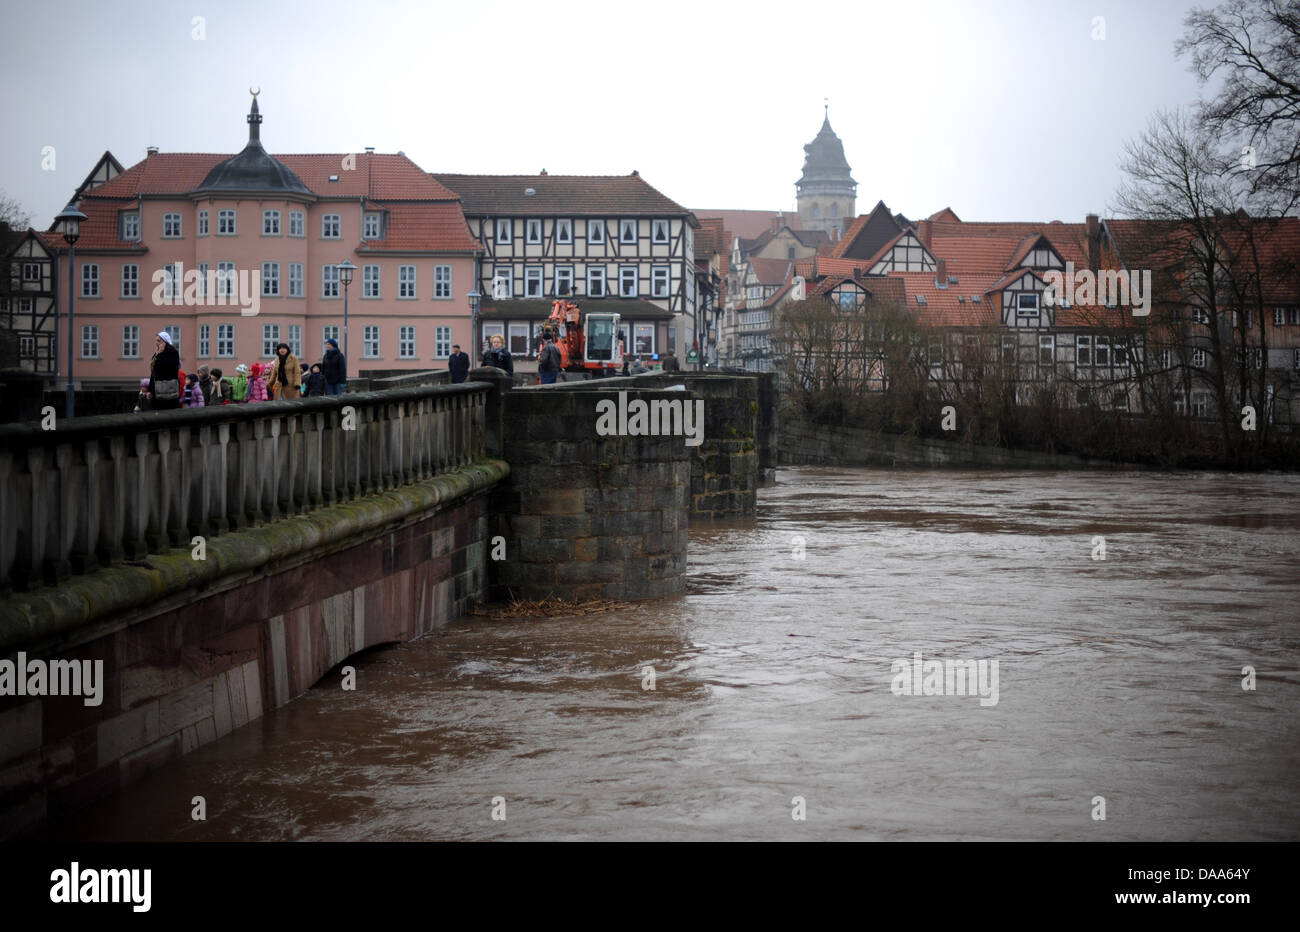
column 1118, row 678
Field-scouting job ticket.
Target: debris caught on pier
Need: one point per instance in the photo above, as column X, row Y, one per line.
column 552, row 607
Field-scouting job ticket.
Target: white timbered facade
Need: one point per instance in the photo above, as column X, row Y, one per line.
column 28, row 307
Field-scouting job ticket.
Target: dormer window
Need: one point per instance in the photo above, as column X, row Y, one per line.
column 130, row 227
column 1026, row 305
column 370, row 226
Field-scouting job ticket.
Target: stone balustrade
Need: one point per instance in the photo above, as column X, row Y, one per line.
column 103, row 490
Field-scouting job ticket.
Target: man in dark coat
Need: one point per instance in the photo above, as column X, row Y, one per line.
column 548, row 364
column 335, row 368
column 499, row 356
column 458, row 364
column 670, row 362
column 164, row 367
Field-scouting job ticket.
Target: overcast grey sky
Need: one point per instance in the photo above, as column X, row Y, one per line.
column 1001, row 109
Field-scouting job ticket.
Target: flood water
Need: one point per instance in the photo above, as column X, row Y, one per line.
column 1119, row 678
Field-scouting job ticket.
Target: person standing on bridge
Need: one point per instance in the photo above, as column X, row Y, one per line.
column 335, row 368
column 670, row 362
column 499, row 356
column 549, row 360
column 164, row 391
column 256, row 384
column 286, row 374
column 458, row 364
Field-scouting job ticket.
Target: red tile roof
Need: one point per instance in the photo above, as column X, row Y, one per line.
column 942, row 306
column 560, row 195
column 769, row 271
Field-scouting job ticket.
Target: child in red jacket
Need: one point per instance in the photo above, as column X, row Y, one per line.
column 256, row 384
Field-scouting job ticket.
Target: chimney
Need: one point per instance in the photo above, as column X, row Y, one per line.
column 776, row 222
column 941, row 273
column 151, row 150
column 370, row 150
column 923, row 232
column 1093, row 225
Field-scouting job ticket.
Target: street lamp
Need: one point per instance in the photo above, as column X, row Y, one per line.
column 69, row 225
column 475, row 302
column 346, row 268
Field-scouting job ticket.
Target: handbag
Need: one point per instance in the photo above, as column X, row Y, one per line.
column 167, row 389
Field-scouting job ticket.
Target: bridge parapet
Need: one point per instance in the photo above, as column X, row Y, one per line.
column 103, row 490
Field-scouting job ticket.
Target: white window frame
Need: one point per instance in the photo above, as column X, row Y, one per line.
column 130, row 337
column 1198, row 358
column 659, row 232
column 90, row 280
column 637, row 333
column 89, row 341
column 1103, row 348
column 516, row 330
column 227, row 222
column 171, row 225
column 563, row 273
column 624, row 227
column 130, row 280
column 505, row 231
column 1021, row 309
column 503, row 274
column 270, row 223
column 203, row 280
column 533, row 231
column 370, row 281
column 533, row 284
column 131, row 227
column 370, row 337
column 270, row 339
column 1047, row 341
column 31, row 272
column 294, row 339
column 595, row 231
column 627, row 284
column 225, row 341
column 564, row 231
column 205, row 341
column 226, row 278
column 442, row 282
column 661, row 281
column 596, row 273
column 406, row 279
column 202, row 224
column 406, row 341
column 329, row 281
column 332, row 222
column 270, row 279
column 371, row 225
column 297, row 223
column 442, row 342
column 297, row 280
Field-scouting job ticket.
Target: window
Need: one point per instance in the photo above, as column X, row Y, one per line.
column 935, row 352
column 1200, row 404
column 295, row 340
column 370, row 226
column 661, row 278
column 130, row 281
column 564, row 231
column 563, row 280
column 329, row 332
column 203, row 280
column 1198, row 358
column 518, row 340
column 533, row 283
column 406, row 281
column 502, row 282
column 643, row 338
column 131, row 342
column 331, row 227
column 1166, row 358
column 270, row 337
column 441, row 342
column 296, row 289
column 370, row 341
column 534, row 230
column 1121, row 401
column 225, row 279
column 627, row 281
column 205, row 341
column 1200, row 316
column 90, row 280
column 848, row 299
column 595, row 231
column 1008, row 351
column 659, row 232
column 406, row 342
column 1026, row 305
column 1083, row 351
column 270, row 223
column 271, row 279
column 226, row 341
column 504, row 230
column 90, row 342
column 329, row 278
column 171, row 226
column 1253, row 357
column 1279, row 316
column 442, row 281
column 297, row 223
column 31, row 271
column 491, row 330
column 225, row 223
column 370, row 281
column 1103, row 351
column 1293, row 315
column 130, row 227
column 596, row 281
column 627, row 231
column 171, row 282
column 1046, row 349
column 203, row 223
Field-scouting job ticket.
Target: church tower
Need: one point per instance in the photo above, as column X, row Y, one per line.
column 826, row 193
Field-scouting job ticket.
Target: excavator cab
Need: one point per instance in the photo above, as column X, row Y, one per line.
column 602, row 345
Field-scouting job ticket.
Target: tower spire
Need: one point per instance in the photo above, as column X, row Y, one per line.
column 254, row 119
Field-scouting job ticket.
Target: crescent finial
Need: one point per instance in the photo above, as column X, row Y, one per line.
column 254, row 92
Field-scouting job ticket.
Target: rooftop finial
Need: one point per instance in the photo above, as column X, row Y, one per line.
column 826, row 106
column 254, row 119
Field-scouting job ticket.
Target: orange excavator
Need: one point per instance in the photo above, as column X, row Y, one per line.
column 589, row 343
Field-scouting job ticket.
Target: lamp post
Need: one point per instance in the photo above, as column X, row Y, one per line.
column 69, row 223
column 346, row 268
column 475, row 302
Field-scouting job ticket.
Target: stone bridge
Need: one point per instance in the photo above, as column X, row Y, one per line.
column 214, row 564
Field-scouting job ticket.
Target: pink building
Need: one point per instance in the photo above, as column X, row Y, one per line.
column 234, row 254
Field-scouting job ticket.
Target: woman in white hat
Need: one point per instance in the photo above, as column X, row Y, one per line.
column 164, row 391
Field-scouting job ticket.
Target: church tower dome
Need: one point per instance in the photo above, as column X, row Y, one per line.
column 253, row 172
column 826, row 194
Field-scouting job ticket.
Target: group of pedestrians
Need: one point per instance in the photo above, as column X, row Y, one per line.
column 168, row 388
